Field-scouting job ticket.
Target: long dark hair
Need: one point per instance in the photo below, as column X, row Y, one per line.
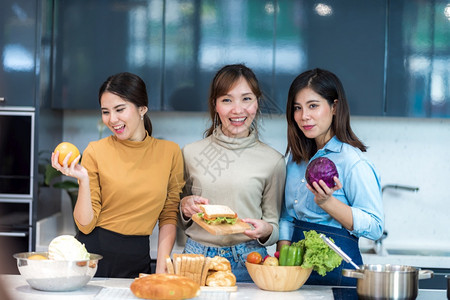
column 223, row 81
column 328, row 86
column 129, row 87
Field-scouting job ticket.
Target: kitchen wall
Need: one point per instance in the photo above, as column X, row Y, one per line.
column 406, row 151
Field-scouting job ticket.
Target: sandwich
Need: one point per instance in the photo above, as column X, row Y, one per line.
column 217, row 214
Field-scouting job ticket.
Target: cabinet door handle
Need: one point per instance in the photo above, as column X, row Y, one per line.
column 2, row 99
column 15, row 234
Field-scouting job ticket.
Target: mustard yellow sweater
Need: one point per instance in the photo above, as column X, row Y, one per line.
column 133, row 184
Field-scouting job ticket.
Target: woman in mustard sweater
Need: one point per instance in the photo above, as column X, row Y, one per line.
column 127, row 183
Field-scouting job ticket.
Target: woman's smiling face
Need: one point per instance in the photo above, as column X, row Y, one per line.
column 237, row 109
column 122, row 117
column 314, row 115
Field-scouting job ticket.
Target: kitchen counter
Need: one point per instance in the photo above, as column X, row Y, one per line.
column 114, row 288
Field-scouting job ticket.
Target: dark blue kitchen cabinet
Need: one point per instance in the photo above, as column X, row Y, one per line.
column 207, row 36
column 418, row 68
column 278, row 40
column 346, row 37
column 183, row 88
column 18, row 28
column 391, row 56
column 96, row 39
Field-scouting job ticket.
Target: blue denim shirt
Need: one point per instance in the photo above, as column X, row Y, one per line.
column 361, row 190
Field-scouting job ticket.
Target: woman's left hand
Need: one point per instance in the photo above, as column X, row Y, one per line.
column 322, row 193
column 161, row 267
column 262, row 229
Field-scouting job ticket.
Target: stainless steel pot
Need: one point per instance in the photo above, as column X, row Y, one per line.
column 387, row 281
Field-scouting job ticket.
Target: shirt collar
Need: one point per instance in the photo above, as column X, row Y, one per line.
column 333, row 145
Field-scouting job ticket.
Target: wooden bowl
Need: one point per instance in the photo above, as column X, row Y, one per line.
column 278, row 278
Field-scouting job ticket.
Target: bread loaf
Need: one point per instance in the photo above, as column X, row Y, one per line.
column 199, row 268
column 164, row 286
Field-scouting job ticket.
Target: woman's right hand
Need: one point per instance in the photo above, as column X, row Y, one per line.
column 189, row 205
column 74, row 170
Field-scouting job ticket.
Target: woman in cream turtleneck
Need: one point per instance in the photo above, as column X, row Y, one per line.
column 231, row 166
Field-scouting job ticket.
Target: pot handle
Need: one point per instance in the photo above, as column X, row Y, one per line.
column 425, row 274
column 353, row 273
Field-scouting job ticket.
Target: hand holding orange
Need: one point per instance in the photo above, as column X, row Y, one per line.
column 64, row 148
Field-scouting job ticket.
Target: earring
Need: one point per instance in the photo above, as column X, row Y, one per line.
column 142, row 117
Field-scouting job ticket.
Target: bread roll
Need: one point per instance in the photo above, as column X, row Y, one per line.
column 221, row 278
column 219, row 263
column 164, row 286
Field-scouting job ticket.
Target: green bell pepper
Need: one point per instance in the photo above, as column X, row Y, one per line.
column 283, row 255
column 299, row 258
column 291, row 255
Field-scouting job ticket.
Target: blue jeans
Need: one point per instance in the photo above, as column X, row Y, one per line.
column 343, row 239
column 237, row 255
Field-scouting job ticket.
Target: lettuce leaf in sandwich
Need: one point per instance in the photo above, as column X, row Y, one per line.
column 218, row 220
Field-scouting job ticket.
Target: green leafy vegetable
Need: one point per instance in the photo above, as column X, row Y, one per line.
column 317, row 253
column 218, row 220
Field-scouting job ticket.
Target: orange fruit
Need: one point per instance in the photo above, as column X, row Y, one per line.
column 37, row 257
column 64, row 148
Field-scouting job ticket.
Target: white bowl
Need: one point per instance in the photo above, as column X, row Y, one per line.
column 56, row 275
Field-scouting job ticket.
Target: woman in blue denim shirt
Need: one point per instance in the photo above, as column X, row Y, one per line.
column 231, row 166
column 318, row 120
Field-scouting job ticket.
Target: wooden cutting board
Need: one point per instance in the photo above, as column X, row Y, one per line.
column 222, row 229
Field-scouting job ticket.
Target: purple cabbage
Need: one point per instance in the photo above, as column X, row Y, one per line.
column 321, row 168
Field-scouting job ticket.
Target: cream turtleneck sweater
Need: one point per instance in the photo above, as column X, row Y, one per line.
column 243, row 173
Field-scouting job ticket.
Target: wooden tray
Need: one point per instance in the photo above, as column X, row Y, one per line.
column 222, row 229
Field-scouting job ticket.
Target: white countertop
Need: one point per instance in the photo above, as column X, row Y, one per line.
column 113, row 288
